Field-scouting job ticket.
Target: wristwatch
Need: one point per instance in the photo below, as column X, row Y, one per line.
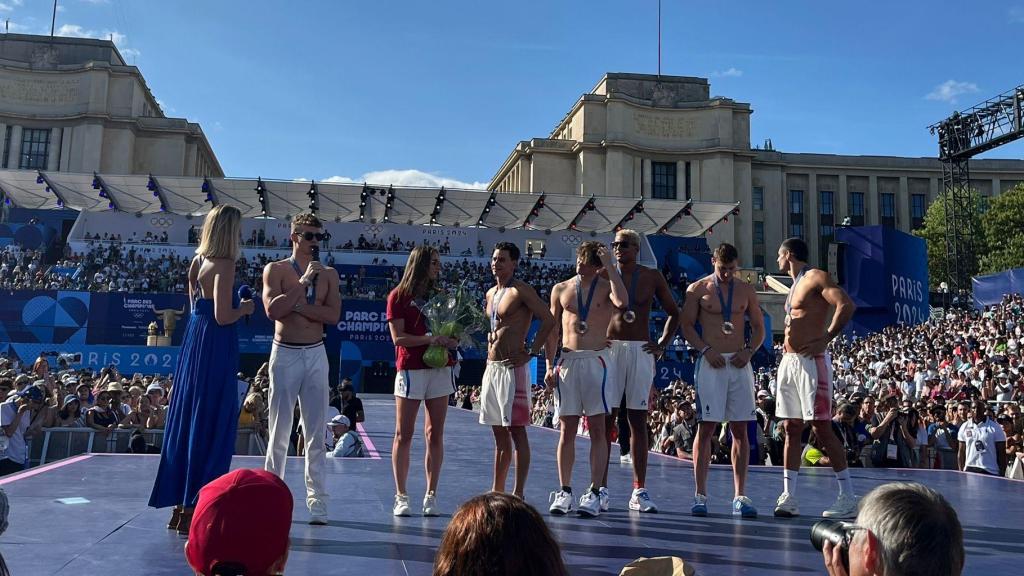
column 297, row 306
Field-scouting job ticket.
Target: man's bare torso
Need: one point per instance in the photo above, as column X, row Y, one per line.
column 808, row 315
column 599, row 315
column 513, row 323
column 710, row 313
column 643, row 297
column 295, row 327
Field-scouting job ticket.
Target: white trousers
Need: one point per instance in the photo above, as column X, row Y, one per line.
column 299, row 372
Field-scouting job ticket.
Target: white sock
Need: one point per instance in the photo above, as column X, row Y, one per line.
column 845, row 483
column 789, row 481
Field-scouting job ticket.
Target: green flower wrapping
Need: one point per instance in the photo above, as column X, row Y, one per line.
column 454, row 314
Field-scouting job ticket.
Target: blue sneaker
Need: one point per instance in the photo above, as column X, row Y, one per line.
column 742, row 506
column 700, row 505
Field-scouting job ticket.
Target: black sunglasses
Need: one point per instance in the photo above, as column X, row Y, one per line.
column 621, row 244
column 309, row 236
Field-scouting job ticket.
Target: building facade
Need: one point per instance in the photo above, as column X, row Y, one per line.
column 647, row 136
column 74, row 105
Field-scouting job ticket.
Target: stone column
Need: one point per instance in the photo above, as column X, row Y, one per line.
column 15, row 151
column 903, row 206
column 871, row 202
column 53, row 153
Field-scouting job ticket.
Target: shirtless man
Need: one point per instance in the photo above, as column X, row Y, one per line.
column 301, row 296
column 724, row 379
column 633, row 356
column 582, row 306
column 805, row 374
column 505, row 392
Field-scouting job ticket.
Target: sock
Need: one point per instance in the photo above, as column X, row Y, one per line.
column 567, row 489
column 594, row 490
column 845, row 483
column 636, row 484
column 789, row 481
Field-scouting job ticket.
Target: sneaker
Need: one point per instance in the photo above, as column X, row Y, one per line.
column 401, row 505
column 742, row 506
column 561, row 503
column 318, row 513
column 844, row 507
column 605, row 499
column 700, row 505
column 430, row 504
column 786, row 506
column 590, row 505
column 641, row 501
column 625, row 459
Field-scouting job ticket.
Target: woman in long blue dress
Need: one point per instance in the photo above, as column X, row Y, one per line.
column 202, row 420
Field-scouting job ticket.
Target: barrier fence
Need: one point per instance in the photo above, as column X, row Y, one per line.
column 59, row 443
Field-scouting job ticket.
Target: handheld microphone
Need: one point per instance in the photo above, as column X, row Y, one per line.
column 245, row 293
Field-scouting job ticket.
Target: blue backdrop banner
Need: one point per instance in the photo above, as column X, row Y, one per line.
column 991, row 288
column 886, row 275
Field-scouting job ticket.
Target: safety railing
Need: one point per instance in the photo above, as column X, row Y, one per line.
column 59, row 443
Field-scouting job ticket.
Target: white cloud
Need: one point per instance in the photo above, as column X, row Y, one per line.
column 6, row 7
column 950, row 90
column 96, row 1
column 412, row 178
column 1017, row 15
column 130, row 53
column 732, row 72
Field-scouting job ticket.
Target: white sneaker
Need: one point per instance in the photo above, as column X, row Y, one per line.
column 625, row 459
column 590, row 505
column 318, row 513
column 561, row 502
column 641, row 501
column 786, row 506
column 430, row 504
column 605, row 499
column 844, row 507
column 401, row 505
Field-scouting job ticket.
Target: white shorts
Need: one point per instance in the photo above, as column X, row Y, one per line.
column 505, row 395
column 724, row 394
column 633, row 374
column 804, row 387
column 582, row 383
column 425, row 384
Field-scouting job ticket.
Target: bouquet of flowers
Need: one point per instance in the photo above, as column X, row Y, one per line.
column 454, row 314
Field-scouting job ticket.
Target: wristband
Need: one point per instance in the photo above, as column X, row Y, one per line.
column 705, row 349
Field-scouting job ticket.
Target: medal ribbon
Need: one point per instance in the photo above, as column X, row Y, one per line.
column 311, row 289
column 584, row 311
column 726, row 306
column 497, row 300
column 631, row 291
column 796, row 281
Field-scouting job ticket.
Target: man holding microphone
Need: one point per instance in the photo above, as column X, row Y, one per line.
column 301, row 296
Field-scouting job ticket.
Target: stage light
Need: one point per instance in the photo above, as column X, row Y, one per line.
column 40, row 179
column 711, row 230
column 110, row 205
column 736, row 211
column 687, row 212
column 151, row 185
column 725, row 219
column 60, row 203
column 96, row 183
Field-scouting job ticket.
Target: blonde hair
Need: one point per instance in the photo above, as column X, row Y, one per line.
column 416, row 281
column 221, row 235
column 306, row 219
column 633, row 235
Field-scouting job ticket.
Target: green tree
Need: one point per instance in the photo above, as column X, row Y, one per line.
column 1003, row 225
column 934, row 233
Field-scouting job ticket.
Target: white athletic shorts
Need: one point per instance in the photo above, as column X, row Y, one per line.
column 582, row 383
column 505, row 395
column 724, row 394
column 425, row 384
column 804, row 387
column 633, row 374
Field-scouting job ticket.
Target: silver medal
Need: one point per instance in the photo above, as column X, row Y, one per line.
column 581, row 327
column 727, row 328
column 629, row 317
column 787, row 320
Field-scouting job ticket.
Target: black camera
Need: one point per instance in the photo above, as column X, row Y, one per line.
column 838, row 532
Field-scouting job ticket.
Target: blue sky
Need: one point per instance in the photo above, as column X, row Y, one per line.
column 444, row 90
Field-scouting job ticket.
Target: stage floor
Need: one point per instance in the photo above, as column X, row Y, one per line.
column 88, row 514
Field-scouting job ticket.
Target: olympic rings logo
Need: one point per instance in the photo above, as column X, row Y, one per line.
column 373, row 228
column 162, row 222
column 571, row 239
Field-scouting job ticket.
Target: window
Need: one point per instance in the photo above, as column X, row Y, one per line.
column 758, row 260
column 34, row 147
column 758, row 232
column 796, row 229
column 888, row 205
column 7, row 147
column 757, row 198
column 796, row 201
column 825, row 202
column 917, row 206
column 827, row 231
column 664, row 180
column 857, row 204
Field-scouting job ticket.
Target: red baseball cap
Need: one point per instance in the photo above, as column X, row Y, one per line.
column 243, row 517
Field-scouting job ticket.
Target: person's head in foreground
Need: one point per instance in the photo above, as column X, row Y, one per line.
column 497, row 534
column 240, row 525
column 902, row 529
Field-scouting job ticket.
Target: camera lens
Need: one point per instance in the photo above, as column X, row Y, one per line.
column 834, row 531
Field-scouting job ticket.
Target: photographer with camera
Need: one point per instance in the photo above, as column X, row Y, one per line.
column 893, row 438
column 901, row 528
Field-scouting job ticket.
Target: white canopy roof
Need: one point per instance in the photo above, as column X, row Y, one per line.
column 360, row 202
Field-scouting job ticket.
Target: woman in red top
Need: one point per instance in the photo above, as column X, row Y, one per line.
column 415, row 381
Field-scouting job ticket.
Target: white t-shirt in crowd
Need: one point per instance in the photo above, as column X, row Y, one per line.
column 16, row 449
column 981, row 441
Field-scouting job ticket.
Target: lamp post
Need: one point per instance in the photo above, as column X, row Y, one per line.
column 944, row 288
